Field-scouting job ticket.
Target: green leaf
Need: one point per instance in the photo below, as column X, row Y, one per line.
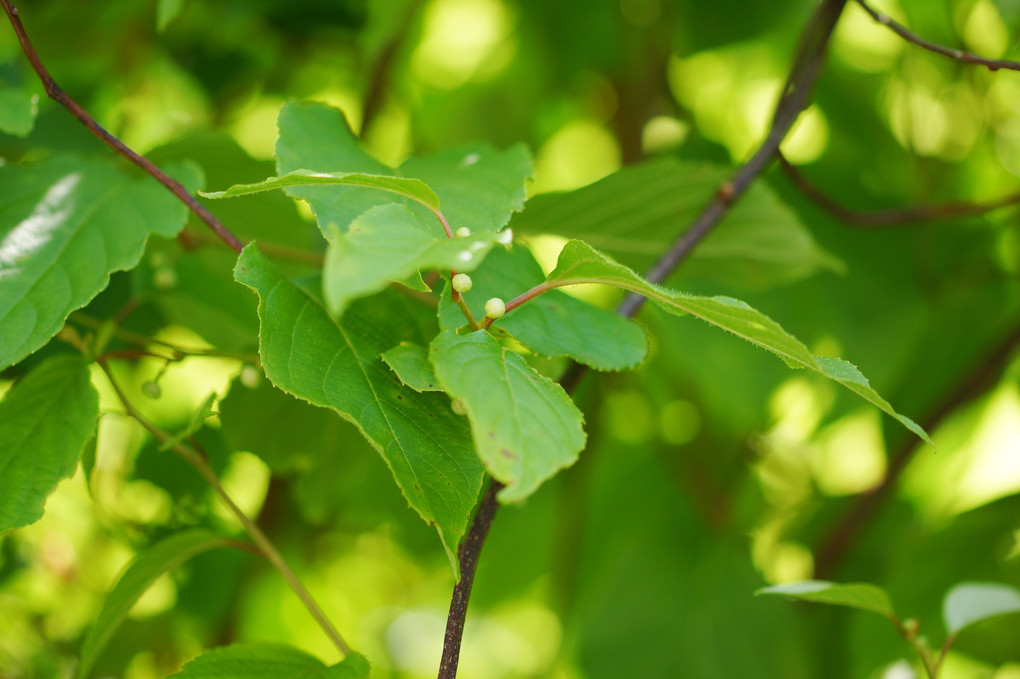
column 637, row 213
column 46, row 419
column 166, row 12
column 854, row 595
column 65, row 226
column 525, row 427
column 262, row 661
column 972, row 602
column 414, row 189
column 18, row 109
column 146, row 568
column 336, row 365
column 580, row 263
column 554, row 323
column 478, row 186
column 389, row 243
column 411, row 364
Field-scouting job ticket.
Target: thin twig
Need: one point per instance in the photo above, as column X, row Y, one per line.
column 881, row 219
column 382, row 69
column 838, row 540
column 54, row 92
column 796, row 96
column 957, row 54
column 198, row 459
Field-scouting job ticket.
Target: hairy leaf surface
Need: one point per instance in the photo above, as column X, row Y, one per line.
column 46, row 419
column 525, row 427
column 258, row 660
column 146, row 568
column 66, row 225
column 336, row 365
column 580, row 263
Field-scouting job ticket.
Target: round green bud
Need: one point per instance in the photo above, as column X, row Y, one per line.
column 495, row 308
column 457, row 406
column 463, row 232
column 151, row 389
column 250, row 376
column 164, row 279
column 462, row 282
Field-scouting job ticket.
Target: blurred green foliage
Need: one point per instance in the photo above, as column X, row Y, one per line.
column 710, row 471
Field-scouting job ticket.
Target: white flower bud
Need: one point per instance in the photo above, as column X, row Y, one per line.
column 457, row 406
column 463, row 232
column 462, row 282
column 495, row 308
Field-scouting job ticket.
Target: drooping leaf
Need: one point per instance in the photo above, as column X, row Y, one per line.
column 65, row 226
column 637, row 213
column 478, row 186
column 18, row 109
column 46, row 419
column 389, row 243
column 972, row 602
column 580, row 263
column 525, row 427
column 146, row 568
column 411, row 364
column 336, row 365
column 554, row 323
column 262, row 661
column 854, row 595
column 414, row 189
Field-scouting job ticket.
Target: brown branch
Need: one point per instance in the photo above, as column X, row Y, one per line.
column 54, row 92
column 846, row 531
column 383, row 67
column 956, row 54
column 880, row 219
column 795, row 98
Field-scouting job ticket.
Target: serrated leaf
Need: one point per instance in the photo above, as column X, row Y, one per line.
column 969, row 603
column 18, row 109
column 389, row 243
column 854, row 595
column 636, row 214
column 525, row 427
column 144, row 570
column 552, row 324
column 414, row 189
column 46, row 419
column 336, row 365
column 66, row 225
column 478, row 186
column 264, row 661
column 411, row 364
column 580, row 263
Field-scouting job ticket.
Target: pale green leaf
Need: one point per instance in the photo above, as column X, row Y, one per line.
column 166, row 12
column 414, row 189
column 336, row 365
column 269, row 661
column 525, row 427
column 389, row 243
column 46, row 419
column 854, row 595
column 18, row 109
column 146, row 568
column 411, row 364
column 478, row 186
column 637, row 213
column 65, row 226
column 580, row 263
column 552, row 324
column 971, row 602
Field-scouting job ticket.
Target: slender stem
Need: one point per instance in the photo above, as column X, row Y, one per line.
column 895, row 217
column 198, row 459
column 958, row 55
column 61, row 97
column 459, row 299
column 796, row 96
